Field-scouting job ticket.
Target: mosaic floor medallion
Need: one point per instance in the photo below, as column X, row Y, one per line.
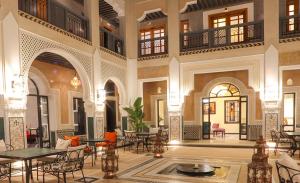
column 164, row 171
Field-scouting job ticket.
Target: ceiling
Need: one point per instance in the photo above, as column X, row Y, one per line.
column 154, row 16
column 107, row 12
column 52, row 58
column 212, row 4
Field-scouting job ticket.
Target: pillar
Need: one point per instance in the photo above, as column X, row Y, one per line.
column 131, row 40
column 92, row 9
column 271, row 82
column 173, row 27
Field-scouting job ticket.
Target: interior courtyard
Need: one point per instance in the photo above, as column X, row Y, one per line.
column 166, row 91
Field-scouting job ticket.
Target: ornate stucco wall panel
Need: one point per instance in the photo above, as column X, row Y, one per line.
column 31, row 45
column 116, row 74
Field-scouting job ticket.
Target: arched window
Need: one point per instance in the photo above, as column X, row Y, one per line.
column 224, row 90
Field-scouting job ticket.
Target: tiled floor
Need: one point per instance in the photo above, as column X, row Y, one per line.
column 228, row 140
column 131, row 159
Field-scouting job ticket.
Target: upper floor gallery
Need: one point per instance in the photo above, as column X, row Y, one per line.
column 160, row 28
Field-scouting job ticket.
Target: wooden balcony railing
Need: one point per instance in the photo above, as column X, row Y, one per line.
column 153, row 47
column 289, row 26
column 223, row 36
column 56, row 14
column 111, row 42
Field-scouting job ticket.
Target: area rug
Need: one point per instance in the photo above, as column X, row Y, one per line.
column 163, row 171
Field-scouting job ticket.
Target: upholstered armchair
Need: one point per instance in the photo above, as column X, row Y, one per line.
column 70, row 162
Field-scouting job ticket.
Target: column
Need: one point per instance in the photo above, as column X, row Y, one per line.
column 92, row 11
column 14, row 96
column 174, row 104
column 173, row 27
column 99, row 96
column 271, row 88
column 131, row 39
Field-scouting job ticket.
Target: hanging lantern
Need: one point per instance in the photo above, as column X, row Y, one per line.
column 158, row 145
column 259, row 170
column 75, row 82
column 110, row 162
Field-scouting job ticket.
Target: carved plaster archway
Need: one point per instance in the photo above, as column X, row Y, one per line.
column 121, row 90
column 244, row 91
column 86, row 84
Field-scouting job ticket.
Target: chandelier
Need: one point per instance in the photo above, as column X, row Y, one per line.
column 75, row 82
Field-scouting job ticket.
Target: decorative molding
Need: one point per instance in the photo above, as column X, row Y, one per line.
column 290, row 39
column 153, row 57
column 246, row 45
column 118, row 6
column 187, row 5
column 99, row 123
column 149, row 11
column 53, row 27
column 105, row 50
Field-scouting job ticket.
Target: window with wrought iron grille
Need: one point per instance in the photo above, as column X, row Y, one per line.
column 291, row 11
column 152, row 41
column 233, row 19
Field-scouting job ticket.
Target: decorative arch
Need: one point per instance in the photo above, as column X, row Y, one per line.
column 233, row 81
column 225, row 90
column 40, row 79
column 86, row 83
column 121, row 89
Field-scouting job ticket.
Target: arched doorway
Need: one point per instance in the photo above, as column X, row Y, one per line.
column 65, row 98
column 226, row 108
column 37, row 118
column 111, row 106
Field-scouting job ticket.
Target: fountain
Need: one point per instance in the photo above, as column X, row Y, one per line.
column 196, row 169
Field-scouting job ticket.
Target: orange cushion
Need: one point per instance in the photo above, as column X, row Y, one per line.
column 75, row 140
column 101, row 144
column 111, row 137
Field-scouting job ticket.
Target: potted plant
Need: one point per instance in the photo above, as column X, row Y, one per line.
column 136, row 115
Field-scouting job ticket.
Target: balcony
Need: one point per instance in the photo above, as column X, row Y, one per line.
column 57, row 15
column 111, row 42
column 153, row 47
column 221, row 37
column 289, row 27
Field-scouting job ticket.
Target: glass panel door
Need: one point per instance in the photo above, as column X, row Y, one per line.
column 289, row 112
column 244, row 117
column 45, row 121
column 205, row 118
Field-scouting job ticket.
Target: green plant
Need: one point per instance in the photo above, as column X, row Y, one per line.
column 136, row 115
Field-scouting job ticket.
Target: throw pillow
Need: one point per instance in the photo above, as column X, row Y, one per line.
column 2, row 146
column 62, row 144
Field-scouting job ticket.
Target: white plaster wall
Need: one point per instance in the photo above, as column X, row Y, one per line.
column 220, row 115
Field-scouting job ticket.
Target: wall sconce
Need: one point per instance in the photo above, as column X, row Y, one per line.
column 289, row 82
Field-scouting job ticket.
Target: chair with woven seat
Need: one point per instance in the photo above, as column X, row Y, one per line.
column 216, row 129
